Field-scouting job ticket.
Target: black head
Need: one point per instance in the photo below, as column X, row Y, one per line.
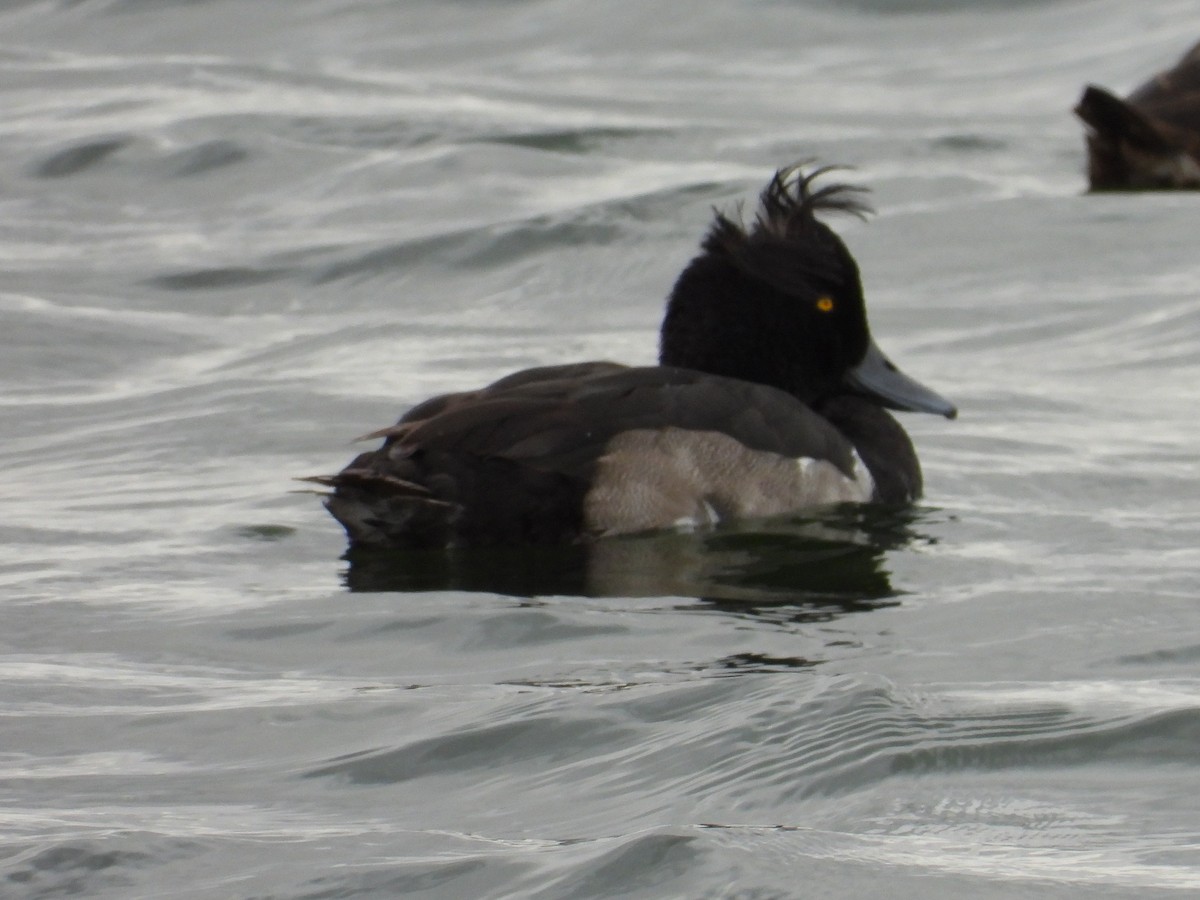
column 781, row 302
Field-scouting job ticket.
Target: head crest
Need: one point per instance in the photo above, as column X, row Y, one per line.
column 787, row 244
column 789, row 204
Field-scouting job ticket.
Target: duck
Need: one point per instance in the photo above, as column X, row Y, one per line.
column 770, row 398
column 1151, row 139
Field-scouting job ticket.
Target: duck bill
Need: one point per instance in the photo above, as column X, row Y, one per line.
column 878, row 379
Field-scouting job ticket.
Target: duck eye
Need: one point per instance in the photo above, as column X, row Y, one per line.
column 825, row 304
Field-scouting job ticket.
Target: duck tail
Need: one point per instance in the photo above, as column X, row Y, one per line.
column 378, row 509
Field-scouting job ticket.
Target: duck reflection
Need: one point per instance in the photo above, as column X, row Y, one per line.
column 797, row 569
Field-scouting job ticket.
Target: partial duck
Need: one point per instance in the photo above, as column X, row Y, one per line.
column 1151, row 139
column 770, row 398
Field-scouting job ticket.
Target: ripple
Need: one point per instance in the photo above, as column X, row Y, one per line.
column 74, row 869
column 207, row 156
column 220, row 277
column 97, row 685
column 80, row 158
column 969, row 143
column 1171, row 656
column 578, row 140
column 476, row 248
column 980, row 862
column 819, row 747
column 637, row 865
column 855, row 734
column 535, row 741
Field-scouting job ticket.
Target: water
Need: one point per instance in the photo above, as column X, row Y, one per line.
column 235, row 235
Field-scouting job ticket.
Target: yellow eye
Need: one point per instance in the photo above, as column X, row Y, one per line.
column 825, row 304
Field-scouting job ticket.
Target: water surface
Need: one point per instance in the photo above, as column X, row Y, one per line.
column 236, row 235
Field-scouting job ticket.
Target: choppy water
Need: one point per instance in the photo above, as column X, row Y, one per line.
column 235, row 235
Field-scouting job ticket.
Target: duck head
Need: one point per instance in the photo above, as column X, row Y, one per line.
column 781, row 303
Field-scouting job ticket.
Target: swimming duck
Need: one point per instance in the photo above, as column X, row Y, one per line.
column 770, row 398
column 1151, row 139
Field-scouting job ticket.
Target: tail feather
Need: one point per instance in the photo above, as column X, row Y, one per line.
column 449, row 499
column 379, row 481
column 379, row 509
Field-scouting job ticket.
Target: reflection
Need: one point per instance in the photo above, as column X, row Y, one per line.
column 795, row 569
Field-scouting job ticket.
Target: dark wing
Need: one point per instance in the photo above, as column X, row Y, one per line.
column 545, row 379
column 563, row 417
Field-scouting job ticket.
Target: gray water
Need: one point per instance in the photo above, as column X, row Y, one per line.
column 235, row 235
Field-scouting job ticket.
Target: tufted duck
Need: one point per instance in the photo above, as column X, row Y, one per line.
column 769, row 399
column 1151, row 139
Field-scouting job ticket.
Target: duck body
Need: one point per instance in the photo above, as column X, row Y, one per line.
column 1149, row 140
column 769, row 400
column 592, row 449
